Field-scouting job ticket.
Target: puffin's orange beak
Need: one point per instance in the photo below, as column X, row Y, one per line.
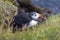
column 42, row 17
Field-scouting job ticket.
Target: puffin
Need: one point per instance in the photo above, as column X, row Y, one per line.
column 28, row 19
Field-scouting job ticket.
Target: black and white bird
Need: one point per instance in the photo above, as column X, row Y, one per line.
column 28, row 19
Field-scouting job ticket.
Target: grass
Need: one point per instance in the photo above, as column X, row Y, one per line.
column 44, row 31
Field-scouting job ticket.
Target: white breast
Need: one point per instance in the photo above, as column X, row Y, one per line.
column 32, row 23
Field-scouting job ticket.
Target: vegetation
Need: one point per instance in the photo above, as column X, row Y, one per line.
column 44, row 31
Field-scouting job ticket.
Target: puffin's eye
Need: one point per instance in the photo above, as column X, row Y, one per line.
column 35, row 15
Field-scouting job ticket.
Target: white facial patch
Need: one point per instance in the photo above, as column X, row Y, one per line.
column 35, row 15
